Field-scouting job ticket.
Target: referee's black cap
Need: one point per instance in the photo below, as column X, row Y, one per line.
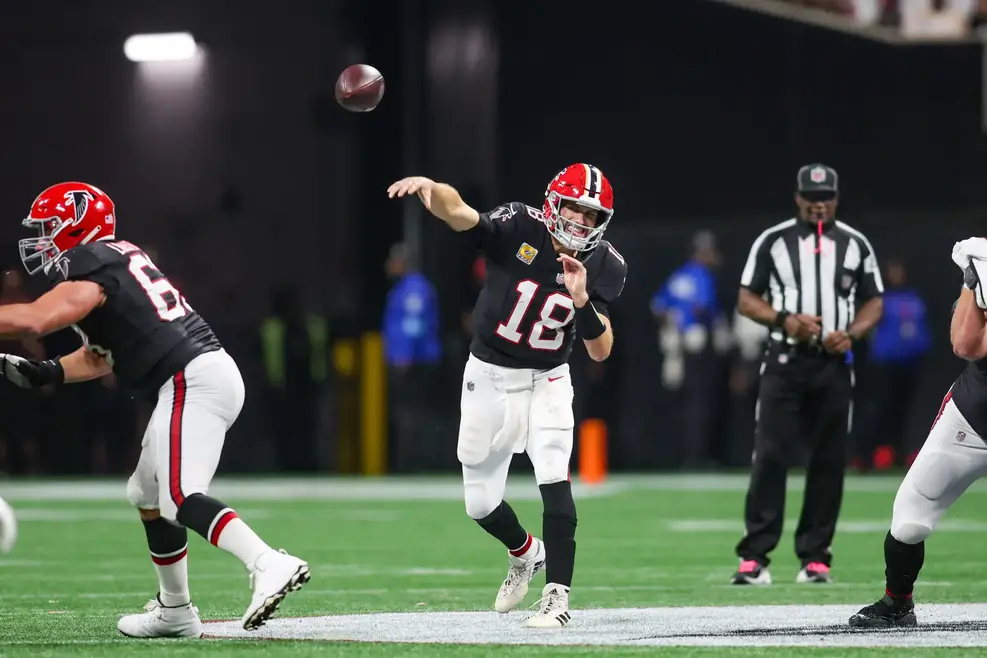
column 818, row 177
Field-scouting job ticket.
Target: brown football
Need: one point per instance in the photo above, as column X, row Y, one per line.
column 359, row 88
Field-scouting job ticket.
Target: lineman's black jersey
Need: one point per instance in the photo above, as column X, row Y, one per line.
column 524, row 317
column 969, row 393
column 145, row 328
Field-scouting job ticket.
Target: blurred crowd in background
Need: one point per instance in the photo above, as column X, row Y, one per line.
column 297, row 391
column 918, row 18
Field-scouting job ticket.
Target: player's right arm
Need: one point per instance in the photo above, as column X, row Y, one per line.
column 440, row 199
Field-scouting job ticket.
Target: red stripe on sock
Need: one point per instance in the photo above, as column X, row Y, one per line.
column 518, row 552
column 897, row 596
column 171, row 559
column 218, row 529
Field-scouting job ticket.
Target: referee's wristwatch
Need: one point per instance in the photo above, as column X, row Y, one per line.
column 780, row 319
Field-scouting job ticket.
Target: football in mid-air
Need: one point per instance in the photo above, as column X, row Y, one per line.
column 359, row 88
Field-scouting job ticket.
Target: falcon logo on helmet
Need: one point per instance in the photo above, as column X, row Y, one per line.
column 78, row 199
column 65, row 215
column 585, row 186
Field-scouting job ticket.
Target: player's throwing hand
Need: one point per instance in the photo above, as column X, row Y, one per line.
column 413, row 185
column 574, row 273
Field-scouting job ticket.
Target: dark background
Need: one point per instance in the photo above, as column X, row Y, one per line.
column 245, row 173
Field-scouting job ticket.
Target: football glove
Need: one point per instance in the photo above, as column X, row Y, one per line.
column 8, row 527
column 971, row 279
column 30, row 374
column 964, row 250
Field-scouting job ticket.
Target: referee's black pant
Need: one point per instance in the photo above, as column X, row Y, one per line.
column 805, row 395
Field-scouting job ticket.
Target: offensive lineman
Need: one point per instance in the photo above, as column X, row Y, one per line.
column 549, row 274
column 953, row 457
column 135, row 323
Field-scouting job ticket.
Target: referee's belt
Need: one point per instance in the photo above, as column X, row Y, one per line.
column 814, row 350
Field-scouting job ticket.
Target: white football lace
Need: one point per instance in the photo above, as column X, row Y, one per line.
column 548, row 603
column 514, row 576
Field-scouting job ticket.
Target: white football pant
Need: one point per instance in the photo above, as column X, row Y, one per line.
column 184, row 438
column 953, row 458
column 507, row 411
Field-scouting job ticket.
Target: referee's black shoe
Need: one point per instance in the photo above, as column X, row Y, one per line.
column 886, row 613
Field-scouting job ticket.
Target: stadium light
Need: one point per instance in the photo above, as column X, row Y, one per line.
column 166, row 47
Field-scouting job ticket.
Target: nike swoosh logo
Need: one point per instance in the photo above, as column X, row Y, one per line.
column 554, row 379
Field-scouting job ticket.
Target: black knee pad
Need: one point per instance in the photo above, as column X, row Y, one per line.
column 557, row 501
column 204, row 515
column 164, row 538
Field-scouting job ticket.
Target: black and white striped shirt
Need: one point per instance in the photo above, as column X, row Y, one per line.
column 825, row 275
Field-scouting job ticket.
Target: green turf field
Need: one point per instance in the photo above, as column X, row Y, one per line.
column 407, row 545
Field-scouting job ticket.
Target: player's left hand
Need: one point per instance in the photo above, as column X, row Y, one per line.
column 838, row 342
column 574, row 273
column 26, row 373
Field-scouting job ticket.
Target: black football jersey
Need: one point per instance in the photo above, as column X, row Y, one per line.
column 969, row 393
column 145, row 328
column 524, row 317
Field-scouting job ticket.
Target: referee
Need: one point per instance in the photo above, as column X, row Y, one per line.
column 825, row 291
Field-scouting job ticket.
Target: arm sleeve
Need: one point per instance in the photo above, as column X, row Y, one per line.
column 86, row 263
column 611, row 282
column 496, row 228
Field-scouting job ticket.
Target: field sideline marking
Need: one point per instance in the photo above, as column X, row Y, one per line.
column 439, row 488
column 943, row 625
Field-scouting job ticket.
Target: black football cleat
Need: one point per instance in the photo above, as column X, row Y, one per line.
column 886, row 613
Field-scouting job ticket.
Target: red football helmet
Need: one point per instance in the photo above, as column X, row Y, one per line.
column 585, row 185
column 66, row 215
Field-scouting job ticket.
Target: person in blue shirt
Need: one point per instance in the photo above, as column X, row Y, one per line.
column 687, row 310
column 897, row 348
column 688, row 297
column 413, row 352
column 411, row 316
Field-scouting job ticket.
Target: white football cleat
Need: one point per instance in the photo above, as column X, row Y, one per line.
column 520, row 573
column 273, row 576
column 8, row 527
column 159, row 621
column 554, row 608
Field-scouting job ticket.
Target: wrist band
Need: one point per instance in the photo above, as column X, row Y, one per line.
column 54, row 372
column 589, row 323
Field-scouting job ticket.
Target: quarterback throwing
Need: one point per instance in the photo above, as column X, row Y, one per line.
column 550, row 276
